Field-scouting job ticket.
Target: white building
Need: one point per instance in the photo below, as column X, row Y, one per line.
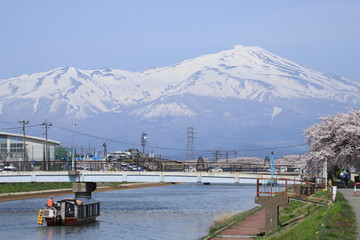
column 11, row 147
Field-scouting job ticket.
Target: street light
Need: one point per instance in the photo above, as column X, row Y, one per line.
column 72, row 149
column 272, row 165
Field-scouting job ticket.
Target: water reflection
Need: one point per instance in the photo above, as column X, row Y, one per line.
column 58, row 232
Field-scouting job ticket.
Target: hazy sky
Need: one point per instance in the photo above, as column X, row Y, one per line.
column 133, row 35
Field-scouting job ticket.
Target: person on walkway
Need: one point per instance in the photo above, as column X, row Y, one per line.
column 345, row 177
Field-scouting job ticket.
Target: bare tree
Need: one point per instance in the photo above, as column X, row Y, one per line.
column 3, row 156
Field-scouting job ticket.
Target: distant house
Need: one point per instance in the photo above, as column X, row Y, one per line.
column 11, row 147
column 120, row 155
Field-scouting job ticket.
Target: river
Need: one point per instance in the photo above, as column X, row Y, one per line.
column 171, row 212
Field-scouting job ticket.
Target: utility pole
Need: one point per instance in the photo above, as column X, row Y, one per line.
column 72, row 150
column 24, row 122
column 47, row 153
column 216, row 155
column 190, row 143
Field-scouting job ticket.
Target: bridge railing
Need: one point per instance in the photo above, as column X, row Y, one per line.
column 153, row 165
column 295, row 189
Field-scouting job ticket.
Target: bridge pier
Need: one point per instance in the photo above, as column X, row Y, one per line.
column 83, row 189
column 271, row 204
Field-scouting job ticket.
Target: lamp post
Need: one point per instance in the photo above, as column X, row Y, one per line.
column 72, row 150
column 272, row 165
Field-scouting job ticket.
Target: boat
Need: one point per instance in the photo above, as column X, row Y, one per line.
column 69, row 212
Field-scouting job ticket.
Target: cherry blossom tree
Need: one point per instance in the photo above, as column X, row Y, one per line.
column 334, row 141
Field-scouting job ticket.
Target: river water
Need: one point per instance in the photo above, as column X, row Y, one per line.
column 171, row 212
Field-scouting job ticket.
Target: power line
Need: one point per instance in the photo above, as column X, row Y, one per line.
column 179, row 149
column 8, row 122
column 4, row 129
column 190, row 136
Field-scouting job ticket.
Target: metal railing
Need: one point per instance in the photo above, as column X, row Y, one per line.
column 295, row 189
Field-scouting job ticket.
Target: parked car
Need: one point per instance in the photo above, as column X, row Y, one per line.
column 133, row 167
column 215, row 169
column 191, row 169
column 10, row 168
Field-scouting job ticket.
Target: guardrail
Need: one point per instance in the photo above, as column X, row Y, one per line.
column 294, row 189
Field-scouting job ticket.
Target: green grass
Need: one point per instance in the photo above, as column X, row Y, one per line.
column 37, row 186
column 305, row 221
column 28, row 187
column 336, row 221
column 296, row 209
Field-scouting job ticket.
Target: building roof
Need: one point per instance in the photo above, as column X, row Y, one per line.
column 30, row 137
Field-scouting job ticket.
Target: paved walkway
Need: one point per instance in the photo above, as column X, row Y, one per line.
column 354, row 202
column 245, row 229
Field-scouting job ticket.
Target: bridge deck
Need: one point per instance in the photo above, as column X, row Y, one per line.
column 133, row 176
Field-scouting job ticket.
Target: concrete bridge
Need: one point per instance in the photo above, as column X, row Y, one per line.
column 84, row 182
column 134, row 176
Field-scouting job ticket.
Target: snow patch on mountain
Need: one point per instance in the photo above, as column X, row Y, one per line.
column 276, row 112
column 164, row 110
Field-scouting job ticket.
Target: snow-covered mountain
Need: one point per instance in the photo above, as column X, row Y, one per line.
column 244, row 91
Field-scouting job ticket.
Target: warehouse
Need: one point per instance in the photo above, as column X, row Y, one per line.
column 11, row 148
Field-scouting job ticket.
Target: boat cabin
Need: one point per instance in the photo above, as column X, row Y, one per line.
column 78, row 208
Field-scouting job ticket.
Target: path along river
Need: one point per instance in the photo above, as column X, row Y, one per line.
column 178, row 212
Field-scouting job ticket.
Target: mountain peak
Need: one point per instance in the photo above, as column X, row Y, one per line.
column 243, row 91
column 242, row 47
column 243, row 72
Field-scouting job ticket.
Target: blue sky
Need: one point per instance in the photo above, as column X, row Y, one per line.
column 134, row 35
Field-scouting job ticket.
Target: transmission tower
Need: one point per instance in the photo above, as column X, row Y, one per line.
column 190, row 143
column 105, row 151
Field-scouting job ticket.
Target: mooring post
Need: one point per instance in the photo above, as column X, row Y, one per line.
column 83, row 189
column 271, row 204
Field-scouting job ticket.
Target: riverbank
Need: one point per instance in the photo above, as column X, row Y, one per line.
column 302, row 221
column 66, row 191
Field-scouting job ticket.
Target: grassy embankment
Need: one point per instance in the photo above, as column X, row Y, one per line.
column 310, row 221
column 303, row 221
column 29, row 187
